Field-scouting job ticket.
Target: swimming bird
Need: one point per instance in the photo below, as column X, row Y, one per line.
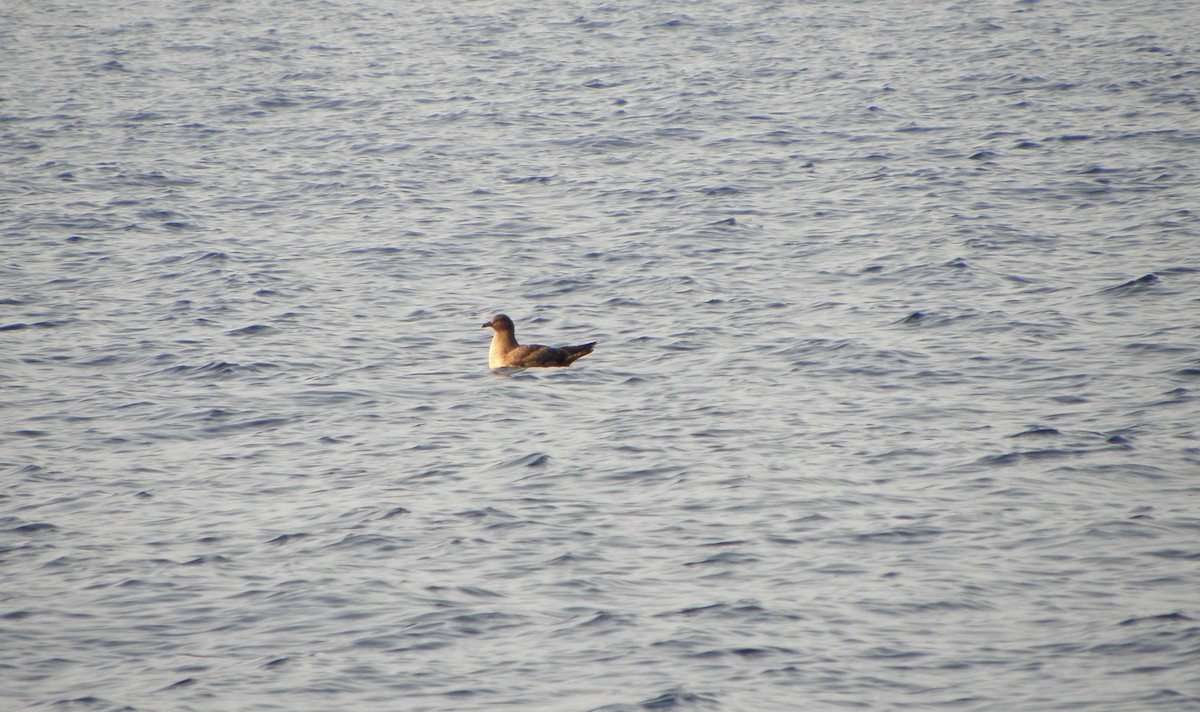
column 507, row 353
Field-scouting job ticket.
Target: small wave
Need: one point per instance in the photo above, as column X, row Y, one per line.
column 1036, row 432
column 1175, row 617
column 725, row 557
column 47, row 324
column 1009, row 458
column 533, row 459
column 33, row 528
column 720, row 190
column 265, row 423
column 219, row 369
column 287, row 538
column 680, row 699
column 900, row 535
column 1161, row 348
column 1134, row 285
column 252, row 330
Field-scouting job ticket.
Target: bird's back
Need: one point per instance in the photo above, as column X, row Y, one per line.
column 536, row 355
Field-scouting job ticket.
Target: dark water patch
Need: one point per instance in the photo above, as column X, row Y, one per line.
column 181, row 225
column 287, row 538
column 29, row 433
column 252, row 330
column 160, row 214
column 265, row 423
column 1174, row 617
column 381, row 250
column 747, row 653
column 918, row 128
column 192, row 257
column 845, row 356
column 681, row 699
column 1015, row 457
column 647, row 474
column 47, row 324
column 1181, row 269
column 218, row 413
column 220, row 369
column 1171, row 399
column 473, row 624
column 1180, row 554
column 1160, row 348
column 143, row 117
column 359, row 541
column 936, row 607
column 533, row 459
column 725, row 557
column 331, row 397
column 540, row 289
column 1122, row 530
column 89, row 702
column 602, row 144
column 1098, row 170
column 154, row 178
column 485, row 513
column 893, row 653
column 698, row 610
column 33, row 528
column 205, row 559
column 1069, row 399
column 926, row 319
column 1036, row 431
column 901, row 535
column 1122, row 472
column 742, row 611
column 1133, row 286
column 722, row 434
column 191, row 47
column 104, row 360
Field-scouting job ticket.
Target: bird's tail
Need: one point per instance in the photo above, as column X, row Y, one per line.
column 575, row 353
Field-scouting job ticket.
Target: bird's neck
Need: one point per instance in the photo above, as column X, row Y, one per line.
column 504, row 340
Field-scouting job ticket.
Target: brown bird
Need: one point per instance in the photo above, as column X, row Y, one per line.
column 507, row 353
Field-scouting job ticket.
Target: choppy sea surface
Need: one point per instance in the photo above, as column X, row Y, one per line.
column 894, row 404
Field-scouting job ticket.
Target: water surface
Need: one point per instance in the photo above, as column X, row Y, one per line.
column 893, row 406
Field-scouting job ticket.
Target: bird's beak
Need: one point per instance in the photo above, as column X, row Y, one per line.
column 486, row 325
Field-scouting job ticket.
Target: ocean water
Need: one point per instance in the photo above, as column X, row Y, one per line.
column 894, row 404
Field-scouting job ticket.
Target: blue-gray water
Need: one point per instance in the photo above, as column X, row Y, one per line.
column 894, row 405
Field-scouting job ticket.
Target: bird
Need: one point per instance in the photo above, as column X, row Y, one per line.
column 507, row 353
